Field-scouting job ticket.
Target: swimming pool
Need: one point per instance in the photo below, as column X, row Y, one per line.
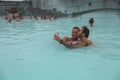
column 28, row 51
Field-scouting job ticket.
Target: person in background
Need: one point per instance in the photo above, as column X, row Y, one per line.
column 10, row 17
column 36, row 17
column 91, row 22
column 18, row 19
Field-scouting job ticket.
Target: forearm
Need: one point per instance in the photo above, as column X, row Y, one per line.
column 66, row 44
column 72, row 45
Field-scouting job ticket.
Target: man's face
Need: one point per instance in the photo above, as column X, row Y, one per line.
column 74, row 33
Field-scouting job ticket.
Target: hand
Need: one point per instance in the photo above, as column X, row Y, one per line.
column 56, row 37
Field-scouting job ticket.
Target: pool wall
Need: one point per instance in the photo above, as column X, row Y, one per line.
column 25, row 8
column 69, row 6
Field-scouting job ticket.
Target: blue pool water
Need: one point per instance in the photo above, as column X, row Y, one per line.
column 28, row 51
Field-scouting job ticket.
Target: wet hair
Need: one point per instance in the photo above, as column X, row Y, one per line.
column 86, row 31
column 76, row 28
column 44, row 17
column 91, row 20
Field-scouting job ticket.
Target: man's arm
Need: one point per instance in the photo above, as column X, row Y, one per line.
column 66, row 44
column 70, row 45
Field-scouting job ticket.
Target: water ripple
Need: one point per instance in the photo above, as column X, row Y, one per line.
column 112, row 57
